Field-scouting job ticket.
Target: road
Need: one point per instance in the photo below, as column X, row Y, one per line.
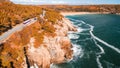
column 19, row 27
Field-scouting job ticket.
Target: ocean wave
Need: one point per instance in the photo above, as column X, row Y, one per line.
column 98, row 61
column 103, row 42
column 80, row 30
column 90, row 31
column 73, row 36
column 98, row 39
column 99, row 54
column 77, row 51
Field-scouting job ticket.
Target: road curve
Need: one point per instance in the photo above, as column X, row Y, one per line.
column 19, row 27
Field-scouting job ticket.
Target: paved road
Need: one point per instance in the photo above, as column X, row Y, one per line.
column 19, row 27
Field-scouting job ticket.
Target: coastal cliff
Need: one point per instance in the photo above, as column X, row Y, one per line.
column 38, row 45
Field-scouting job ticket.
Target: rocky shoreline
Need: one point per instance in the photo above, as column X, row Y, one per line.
column 53, row 50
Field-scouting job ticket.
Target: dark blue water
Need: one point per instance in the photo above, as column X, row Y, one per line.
column 97, row 42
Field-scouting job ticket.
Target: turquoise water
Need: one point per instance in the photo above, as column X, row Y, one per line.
column 97, row 42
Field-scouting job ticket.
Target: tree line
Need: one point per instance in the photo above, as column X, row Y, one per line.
column 13, row 14
column 85, row 8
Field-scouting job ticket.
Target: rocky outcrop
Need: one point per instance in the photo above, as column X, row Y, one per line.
column 54, row 49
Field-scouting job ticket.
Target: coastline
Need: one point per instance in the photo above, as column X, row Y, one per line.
column 100, row 64
column 81, row 13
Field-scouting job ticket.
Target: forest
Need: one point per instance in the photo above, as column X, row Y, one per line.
column 14, row 14
column 85, row 8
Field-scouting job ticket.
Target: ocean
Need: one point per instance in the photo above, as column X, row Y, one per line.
column 96, row 44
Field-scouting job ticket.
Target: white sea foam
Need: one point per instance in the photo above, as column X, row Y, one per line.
column 77, row 51
column 73, row 36
column 78, row 20
column 75, row 20
column 80, row 30
column 103, row 42
column 98, row 61
column 79, row 24
column 99, row 54
column 98, row 39
column 102, row 50
column 82, row 22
